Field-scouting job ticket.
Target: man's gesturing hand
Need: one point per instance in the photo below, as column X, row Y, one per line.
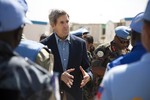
column 67, row 78
column 86, row 77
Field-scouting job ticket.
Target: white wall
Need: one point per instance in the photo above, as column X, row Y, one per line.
column 34, row 31
column 110, row 33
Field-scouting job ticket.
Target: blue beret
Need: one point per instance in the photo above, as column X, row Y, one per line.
column 79, row 32
column 147, row 12
column 12, row 15
column 24, row 4
column 137, row 23
column 123, row 32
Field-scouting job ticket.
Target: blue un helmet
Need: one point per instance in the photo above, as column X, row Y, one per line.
column 137, row 23
column 80, row 32
column 123, row 32
column 147, row 12
column 12, row 15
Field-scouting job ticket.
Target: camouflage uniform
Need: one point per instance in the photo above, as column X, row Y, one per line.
column 106, row 53
column 103, row 54
column 89, row 57
column 36, row 52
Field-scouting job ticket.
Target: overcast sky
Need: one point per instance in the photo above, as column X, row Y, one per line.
column 87, row 11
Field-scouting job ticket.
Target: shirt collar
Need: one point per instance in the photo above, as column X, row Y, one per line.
column 58, row 39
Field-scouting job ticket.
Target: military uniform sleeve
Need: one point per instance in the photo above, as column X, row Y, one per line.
column 45, row 59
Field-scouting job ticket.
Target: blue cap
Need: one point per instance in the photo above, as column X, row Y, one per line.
column 147, row 12
column 25, row 7
column 12, row 15
column 24, row 4
column 137, row 23
column 79, row 32
column 123, row 32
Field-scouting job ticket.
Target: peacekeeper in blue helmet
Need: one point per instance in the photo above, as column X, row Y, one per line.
column 106, row 53
column 33, row 50
column 130, row 81
column 117, row 47
column 20, row 79
column 80, row 32
column 138, row 50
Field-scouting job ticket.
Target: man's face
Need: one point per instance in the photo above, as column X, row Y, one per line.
column 18, row 37
column 121, row 43
column 62, row 26
column 146, row 36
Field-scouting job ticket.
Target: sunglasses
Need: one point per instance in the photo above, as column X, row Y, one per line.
column 122, row 40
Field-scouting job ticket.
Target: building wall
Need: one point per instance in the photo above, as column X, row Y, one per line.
column 33, row 31
column 110, row 26
column 126, row 21
column 102, row 33
column 94, row 29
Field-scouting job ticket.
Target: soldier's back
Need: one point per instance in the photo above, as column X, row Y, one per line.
column 30, row 80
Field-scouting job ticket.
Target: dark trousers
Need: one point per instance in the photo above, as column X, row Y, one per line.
column 66, row 96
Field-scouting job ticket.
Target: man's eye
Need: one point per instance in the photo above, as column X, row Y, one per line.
column 62, row 22
column 67, row 21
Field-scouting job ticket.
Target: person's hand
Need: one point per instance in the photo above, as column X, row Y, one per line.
column 85, row 79
column 67, row 78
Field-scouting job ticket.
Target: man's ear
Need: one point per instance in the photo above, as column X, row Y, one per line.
column 52, row 25
column 146, row 27
column 148, row 32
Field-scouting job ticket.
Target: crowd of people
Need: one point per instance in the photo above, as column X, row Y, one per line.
column 66, row 65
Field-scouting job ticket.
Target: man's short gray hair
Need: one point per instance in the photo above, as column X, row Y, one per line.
column 55, row 14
